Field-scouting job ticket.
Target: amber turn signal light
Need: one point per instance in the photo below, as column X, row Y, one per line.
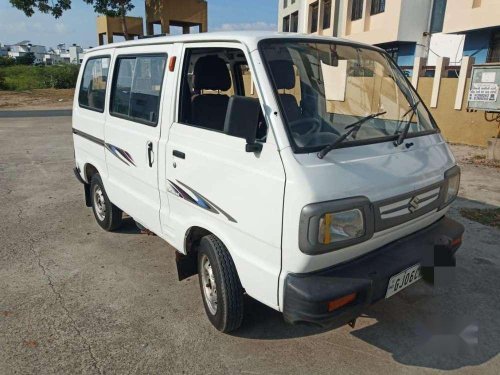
column 342, row 301
column 171, row 63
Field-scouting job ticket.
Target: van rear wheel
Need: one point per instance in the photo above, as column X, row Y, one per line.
column 107, row 215
column 220, row 285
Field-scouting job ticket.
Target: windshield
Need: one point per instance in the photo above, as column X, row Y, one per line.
column 324, row 86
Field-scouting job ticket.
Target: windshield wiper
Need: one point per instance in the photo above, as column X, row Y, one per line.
column 404, row 133
column 354, row 127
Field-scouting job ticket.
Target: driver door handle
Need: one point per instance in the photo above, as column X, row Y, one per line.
column 179, row 154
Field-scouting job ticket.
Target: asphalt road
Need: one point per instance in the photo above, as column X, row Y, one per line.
column 75, row 299
column 35, row 113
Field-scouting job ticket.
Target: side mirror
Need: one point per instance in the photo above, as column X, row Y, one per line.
column 242, row 120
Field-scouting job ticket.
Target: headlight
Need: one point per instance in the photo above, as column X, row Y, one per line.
column 341, row 226
column 452, row 185
column 332, row 225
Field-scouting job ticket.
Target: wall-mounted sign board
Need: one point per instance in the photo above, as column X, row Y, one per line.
column 484, row 88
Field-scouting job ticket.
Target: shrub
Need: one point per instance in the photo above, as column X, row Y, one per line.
column 26, row 59
column 2, row 80
column 7, row 61
column 59, row 76
column 24, row 77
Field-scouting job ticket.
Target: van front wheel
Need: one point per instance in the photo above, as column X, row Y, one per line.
column 220, row 285
column 107, row 215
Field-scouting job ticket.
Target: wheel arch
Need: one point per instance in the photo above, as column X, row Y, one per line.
column 187, row 261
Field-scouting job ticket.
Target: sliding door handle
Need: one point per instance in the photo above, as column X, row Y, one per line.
column 179, row 154
column 151, row 154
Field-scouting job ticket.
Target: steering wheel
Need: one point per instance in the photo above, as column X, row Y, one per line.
column 310, row 124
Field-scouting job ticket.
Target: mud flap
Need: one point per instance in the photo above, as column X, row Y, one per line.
column 187, row 265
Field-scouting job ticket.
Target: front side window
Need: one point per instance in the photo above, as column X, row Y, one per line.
column 210, row 78
column 92, row 91
column 323, row 87
column 137, row 83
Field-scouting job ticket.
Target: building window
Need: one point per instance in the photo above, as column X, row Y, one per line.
column 285, row 3
column 327, row 13
column 378, row 6
column 286, row 24
column 294, row 22
column 437, row 16
column 313, row 12
column 393, row 52
column 494, row 51
column 357, row 10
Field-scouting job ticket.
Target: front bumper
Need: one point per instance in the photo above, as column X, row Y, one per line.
column 306, row 296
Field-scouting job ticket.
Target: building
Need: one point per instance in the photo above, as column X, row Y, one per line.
column 4, row 50
column 404, row 28
column 479, row 22
column 64, row 55
column 24, row 47
column 190, row 16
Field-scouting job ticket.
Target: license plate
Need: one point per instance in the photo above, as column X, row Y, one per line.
column 403, row 279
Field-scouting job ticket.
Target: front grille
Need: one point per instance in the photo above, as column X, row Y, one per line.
column 402, row 208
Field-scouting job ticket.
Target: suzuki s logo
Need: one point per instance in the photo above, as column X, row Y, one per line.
column 414, row 204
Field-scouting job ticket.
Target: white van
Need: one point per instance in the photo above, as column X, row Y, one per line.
column 302, row 171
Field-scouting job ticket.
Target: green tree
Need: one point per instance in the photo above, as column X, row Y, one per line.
column 53, row 7
column 112, row 8
column 26, row 59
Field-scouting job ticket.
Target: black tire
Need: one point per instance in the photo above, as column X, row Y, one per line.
column 229, row 308
column 111, row 217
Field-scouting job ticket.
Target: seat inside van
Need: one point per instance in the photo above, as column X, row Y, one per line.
column 209, row 109
column 211, row 76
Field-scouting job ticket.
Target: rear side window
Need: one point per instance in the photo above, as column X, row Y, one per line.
column 92, row 92
column 137, row 83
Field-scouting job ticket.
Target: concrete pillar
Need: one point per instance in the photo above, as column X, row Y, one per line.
column 367, row 15
column 418, row 67
column 465, row 71
column 441, row 63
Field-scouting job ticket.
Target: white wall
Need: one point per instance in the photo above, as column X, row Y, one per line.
column 446, row 45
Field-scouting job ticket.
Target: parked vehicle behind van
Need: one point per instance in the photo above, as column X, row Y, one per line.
column 302, row 171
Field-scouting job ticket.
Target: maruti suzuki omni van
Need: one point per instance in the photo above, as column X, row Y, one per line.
column 302, row 171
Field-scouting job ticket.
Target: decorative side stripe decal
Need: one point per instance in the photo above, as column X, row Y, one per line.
column 198, row 199
column 119, row 153
column 89, row 137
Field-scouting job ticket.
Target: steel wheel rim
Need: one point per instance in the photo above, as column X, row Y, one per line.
column 99, row 203
column 209, row 285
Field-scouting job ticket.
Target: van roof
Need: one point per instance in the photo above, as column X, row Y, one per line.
column 249, row 38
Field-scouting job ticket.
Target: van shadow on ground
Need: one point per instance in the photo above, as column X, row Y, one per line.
column 445, row 328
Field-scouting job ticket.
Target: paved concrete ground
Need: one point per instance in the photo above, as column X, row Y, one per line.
column 75, row 299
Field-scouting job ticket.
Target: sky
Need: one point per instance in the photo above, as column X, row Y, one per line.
column 78, row 25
